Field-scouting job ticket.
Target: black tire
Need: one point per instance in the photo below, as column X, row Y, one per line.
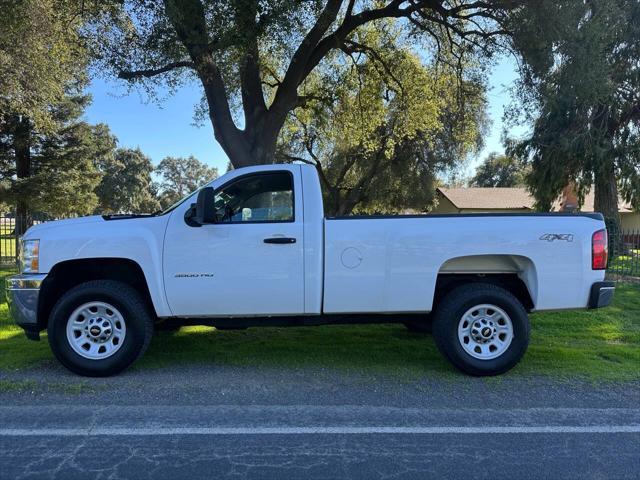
column 135, row 313
column 451, row 310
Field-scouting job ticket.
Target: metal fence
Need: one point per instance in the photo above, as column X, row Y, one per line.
column 624, row 255
column 7, row 240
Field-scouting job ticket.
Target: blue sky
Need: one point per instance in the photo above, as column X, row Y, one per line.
column 168, row 128
column 502, row 77
column 159, row 129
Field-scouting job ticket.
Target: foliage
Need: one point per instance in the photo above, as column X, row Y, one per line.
column 581, row 85
column 126, row 185
column 42, row 57
column 73, row 168
column 181, row 176
column 379, row 125
column 62, row 173
column 500, row 171
column 252, row 58
column 40, row 53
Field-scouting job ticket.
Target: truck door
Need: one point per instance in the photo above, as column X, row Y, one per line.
column 250, row 262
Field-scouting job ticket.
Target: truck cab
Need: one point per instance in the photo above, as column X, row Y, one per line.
column 258, row 247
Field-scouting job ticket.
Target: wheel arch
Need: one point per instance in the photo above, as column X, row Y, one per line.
column 515, row 273
column 67, row 274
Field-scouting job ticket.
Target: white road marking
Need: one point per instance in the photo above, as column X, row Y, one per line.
column 336, row 430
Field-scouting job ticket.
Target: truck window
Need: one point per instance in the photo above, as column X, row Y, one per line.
column 263, row 197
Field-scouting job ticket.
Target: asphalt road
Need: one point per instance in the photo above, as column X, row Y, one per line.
column 197, row 422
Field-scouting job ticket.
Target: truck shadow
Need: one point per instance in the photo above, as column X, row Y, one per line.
column 380, row 348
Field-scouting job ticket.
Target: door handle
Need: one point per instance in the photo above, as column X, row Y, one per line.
column 280, row 240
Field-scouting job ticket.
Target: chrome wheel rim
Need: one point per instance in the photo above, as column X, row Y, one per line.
column 485, row 331
column 96, row 330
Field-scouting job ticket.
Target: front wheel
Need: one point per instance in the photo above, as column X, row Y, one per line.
column 482, row 329
column 99, row 328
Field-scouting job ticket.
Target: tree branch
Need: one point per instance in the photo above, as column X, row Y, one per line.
column 152, row 72
column 353, row 46
column 253, row 102
column 271, row 84
column 394, row 10
column 188, row 20
column 350, row 8
column 303, row 99
column 294, row 158
column 287, row 92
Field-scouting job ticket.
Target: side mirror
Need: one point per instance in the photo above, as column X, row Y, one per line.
column 203, row 211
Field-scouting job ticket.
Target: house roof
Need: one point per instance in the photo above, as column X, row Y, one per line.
column 589, row 199
column 509, row 199
column 489, row 198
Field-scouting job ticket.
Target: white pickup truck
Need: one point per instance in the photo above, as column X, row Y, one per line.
column 255, row 249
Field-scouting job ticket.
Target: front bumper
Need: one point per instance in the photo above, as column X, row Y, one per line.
column 22, row 296
column 601, row 294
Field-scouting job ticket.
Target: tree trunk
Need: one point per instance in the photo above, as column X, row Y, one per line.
column 262, row 137
column 606, row 202
column 348, row 202
column 256, row 144
column 22, row 150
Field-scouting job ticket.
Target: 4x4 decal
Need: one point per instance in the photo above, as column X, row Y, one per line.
column 550, row 237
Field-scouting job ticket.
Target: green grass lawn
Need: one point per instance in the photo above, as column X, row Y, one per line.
column 598, row 345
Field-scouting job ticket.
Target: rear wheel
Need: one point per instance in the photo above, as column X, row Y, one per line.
column 482, row 329
column 99, row 328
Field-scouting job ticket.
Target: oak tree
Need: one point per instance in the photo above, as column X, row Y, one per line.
column 126, row 185
column 180, row 176
column 500, row 171
column 381, row 124
column 252, row 58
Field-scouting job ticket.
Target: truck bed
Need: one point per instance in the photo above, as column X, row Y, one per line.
column 391, row 263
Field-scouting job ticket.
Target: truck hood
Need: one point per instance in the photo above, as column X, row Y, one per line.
column 41, row 228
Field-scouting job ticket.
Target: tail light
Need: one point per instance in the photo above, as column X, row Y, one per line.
column 599, row 250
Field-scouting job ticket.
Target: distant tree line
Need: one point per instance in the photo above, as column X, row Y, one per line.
column 499, row 170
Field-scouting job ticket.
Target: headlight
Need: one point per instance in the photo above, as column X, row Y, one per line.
column 30, row 256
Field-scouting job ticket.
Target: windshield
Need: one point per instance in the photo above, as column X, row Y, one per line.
column 179, row 202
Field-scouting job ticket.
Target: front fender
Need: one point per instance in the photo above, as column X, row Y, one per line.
column 137, row 239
